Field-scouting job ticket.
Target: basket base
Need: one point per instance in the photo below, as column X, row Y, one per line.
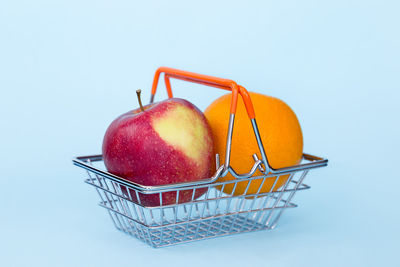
column 182, row 233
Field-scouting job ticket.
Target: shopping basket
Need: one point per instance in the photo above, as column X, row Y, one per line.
column 215, row 213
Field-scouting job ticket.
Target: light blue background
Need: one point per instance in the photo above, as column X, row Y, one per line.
column 67, row 68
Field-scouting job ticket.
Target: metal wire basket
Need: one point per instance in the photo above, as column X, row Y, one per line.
column 217, row 212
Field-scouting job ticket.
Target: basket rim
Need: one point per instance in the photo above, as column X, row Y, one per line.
column 84, row 162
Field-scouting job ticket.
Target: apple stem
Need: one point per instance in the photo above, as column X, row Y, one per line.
column 138, row 91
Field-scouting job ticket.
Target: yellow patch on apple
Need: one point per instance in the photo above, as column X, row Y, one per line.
column 189, row 137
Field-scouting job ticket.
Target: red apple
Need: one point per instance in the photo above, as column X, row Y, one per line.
column 168, row 142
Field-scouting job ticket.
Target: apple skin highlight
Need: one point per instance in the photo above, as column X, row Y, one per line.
column 169, row 142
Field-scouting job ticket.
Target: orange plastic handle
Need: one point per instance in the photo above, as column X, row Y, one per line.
column 205, row 80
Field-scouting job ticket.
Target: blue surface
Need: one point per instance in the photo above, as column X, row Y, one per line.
column 67, row 68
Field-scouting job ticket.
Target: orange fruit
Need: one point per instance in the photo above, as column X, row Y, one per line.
column 280, row 133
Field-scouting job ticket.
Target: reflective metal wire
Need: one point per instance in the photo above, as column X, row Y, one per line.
column 215, row 213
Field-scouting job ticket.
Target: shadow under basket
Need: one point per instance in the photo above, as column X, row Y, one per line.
column 212, row 214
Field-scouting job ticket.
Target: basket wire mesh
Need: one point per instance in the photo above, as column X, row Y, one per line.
column 213, row 214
